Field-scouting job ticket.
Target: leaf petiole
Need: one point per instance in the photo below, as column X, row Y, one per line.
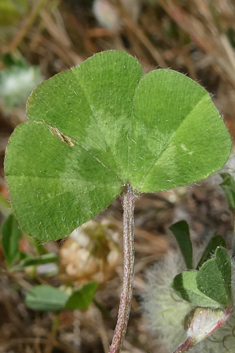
column 128, row 205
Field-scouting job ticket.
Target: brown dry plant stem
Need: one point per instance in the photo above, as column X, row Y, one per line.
column 128, row 205
column 27, row 24
column 233, row 224
column 54, row 328
column 139, row 33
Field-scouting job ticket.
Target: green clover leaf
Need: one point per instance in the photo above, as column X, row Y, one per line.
column 215, row 276
column 102, row 125
column 211, row 285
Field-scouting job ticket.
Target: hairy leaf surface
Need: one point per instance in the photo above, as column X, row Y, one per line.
column 101, row 125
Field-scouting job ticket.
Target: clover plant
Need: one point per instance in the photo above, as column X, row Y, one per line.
column 209, row 288
column 104, row 129
column 195, row 306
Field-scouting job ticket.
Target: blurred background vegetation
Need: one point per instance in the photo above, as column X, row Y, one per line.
column 43, row 37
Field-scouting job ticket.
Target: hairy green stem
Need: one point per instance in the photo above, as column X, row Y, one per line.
column 128, row 275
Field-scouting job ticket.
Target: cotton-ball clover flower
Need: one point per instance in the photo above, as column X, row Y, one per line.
column 168, row 315
column 90, row 254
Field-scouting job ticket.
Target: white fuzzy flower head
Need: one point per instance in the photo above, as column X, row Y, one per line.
column 167, row 314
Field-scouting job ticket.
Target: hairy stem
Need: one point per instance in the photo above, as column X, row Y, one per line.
column 184, row 347
column 191, row 341
column 128, row 275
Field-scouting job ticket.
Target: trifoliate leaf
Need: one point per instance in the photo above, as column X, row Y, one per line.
column 101, row 125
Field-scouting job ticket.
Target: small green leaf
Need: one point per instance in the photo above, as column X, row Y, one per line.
column 46, row 298
column 185, row 286
column 11, row 235
column 9, row 60
column 181, row 233
column 228, row 186
column 35, row 261
column 214, row 278
column 82, row 298
column 210, row 249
